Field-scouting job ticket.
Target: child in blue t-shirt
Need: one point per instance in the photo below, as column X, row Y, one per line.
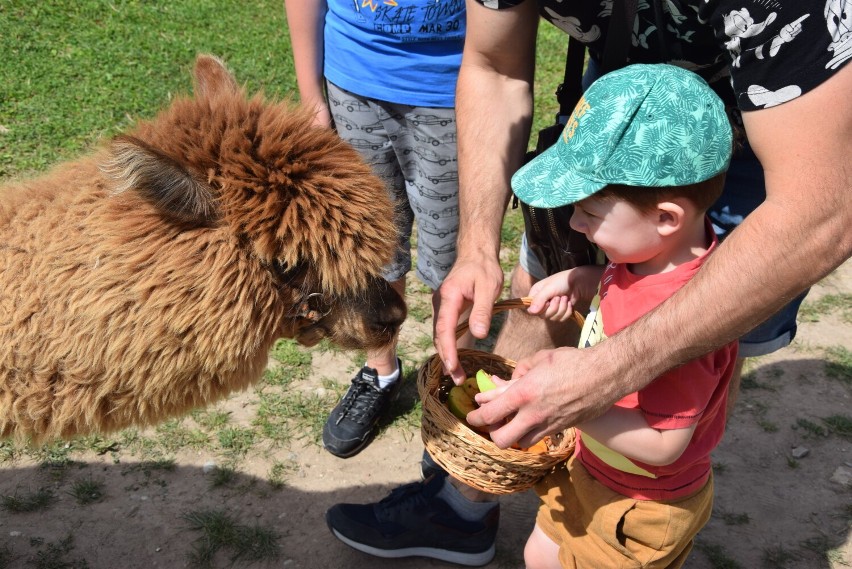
column 384, row 75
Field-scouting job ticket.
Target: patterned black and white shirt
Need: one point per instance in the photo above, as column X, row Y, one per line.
column 770, row 51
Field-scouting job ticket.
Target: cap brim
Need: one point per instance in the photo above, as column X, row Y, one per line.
column 547, row 182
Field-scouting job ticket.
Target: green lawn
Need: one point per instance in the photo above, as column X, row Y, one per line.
column 75, row 72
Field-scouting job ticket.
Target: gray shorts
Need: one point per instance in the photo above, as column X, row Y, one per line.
column 413, row 149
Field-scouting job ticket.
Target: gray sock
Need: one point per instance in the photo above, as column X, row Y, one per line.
column 467, row 510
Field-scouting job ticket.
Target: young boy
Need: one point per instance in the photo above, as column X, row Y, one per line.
column 642, row 158
column 385, row 78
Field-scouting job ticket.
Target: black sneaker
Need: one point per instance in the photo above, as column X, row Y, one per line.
column 413, row 521
column 352, row 423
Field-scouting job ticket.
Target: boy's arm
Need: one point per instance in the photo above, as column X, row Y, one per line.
column 627, row 432
column 305, row 20
column 557, row 296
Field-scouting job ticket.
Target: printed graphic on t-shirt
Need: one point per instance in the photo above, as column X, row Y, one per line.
column 773, row 51
column 412, row 21
column 592, row 331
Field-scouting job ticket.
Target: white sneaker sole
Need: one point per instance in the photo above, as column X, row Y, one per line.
column 469, row 559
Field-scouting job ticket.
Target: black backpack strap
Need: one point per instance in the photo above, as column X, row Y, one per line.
column 615, row 54
column 619, row 34
column 569, row 92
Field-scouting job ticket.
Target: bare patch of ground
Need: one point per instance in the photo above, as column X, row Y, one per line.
column 783, row 494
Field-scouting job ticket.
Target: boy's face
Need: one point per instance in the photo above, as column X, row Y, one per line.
column 625, row 234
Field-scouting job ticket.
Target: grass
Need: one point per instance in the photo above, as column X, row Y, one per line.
column 222, row 476
column 838, row 364
column 838, row 304
column 840, row 425
column 220, row 532
column 36, row 501
column 717, row 556
column 810, row 428
column 87, row 491
column 73, row 72
column 280, row 471
column 54, row 556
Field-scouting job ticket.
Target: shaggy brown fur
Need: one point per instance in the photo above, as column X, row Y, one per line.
column 154, row 276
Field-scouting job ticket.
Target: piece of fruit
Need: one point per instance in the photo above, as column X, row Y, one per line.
column 459, row 402
column 539, row 448
column 470, row 387
column 484, row 381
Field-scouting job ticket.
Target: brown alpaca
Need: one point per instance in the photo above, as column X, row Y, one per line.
column 154, row 276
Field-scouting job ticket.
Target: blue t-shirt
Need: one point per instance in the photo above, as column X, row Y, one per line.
column 400, row 51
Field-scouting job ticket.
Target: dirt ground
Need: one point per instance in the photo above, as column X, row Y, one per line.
column 783, row 489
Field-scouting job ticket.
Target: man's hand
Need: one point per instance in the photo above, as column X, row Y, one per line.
column 550, row 391
column 476, row 280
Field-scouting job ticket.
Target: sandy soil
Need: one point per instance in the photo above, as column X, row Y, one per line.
column 772, row 510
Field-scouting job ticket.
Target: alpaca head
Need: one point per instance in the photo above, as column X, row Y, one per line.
column 291, row 198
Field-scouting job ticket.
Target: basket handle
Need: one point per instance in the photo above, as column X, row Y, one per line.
column 509, row 304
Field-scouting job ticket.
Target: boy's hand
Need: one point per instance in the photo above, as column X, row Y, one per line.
column 556, row 297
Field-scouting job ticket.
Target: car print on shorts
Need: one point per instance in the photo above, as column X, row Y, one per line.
column 430, row 193
column 451, row 176
column 447, row 138
column 364, row 144
column 418, row 119
column 340, row 120
column 434, row 157
column 452, row 210
column 351, row 105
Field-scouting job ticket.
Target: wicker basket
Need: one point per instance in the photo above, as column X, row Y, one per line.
column 470, row 456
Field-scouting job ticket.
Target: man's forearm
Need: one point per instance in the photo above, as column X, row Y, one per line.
column 763, row 264
column 488, row 154
column 799, row 234
column 494, row 113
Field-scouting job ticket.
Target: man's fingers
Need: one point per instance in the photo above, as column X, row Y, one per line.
column 518, row 431
column 447, row 308
column 493, row 412
column 480, row 316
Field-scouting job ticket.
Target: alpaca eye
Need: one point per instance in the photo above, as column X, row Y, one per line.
column 285, row 271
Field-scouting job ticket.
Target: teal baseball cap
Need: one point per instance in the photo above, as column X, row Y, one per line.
column 642, row 125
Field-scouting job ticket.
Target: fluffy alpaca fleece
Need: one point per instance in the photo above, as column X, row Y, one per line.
column 153, row 276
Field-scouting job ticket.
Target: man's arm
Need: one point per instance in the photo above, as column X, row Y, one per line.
column 791, row 241
column 305, row 20
column 494, row 113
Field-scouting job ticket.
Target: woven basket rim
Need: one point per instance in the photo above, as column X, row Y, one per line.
column 467, row 455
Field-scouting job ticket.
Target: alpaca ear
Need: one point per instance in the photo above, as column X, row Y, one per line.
column 136, row 166
column 211, row 77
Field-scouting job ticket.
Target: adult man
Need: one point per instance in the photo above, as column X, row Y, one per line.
column 789, row 72
column 791, row 240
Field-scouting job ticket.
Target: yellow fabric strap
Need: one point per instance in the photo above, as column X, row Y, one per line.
column 612, row 458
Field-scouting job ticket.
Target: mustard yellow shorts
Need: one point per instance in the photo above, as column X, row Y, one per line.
column 597, row 528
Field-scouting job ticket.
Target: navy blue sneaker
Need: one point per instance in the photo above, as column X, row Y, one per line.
column 352, row 423
column 414, row 521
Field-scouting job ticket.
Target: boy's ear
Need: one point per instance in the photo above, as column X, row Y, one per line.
column 671, row 216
